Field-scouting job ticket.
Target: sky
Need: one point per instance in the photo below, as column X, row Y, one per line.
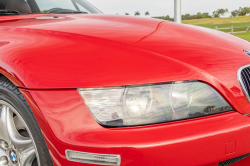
column 166, row 7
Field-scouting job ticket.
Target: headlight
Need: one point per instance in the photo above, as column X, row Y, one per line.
column 149, row 104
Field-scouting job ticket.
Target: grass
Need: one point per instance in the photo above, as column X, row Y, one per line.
column 245, row 35
column 241, row 21
column 218, row 21
column 228, row 25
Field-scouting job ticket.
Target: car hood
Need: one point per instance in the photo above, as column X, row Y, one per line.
column 125, row 29
column 77, row 51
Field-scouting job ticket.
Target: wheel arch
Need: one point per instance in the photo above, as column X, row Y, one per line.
column 12, row 77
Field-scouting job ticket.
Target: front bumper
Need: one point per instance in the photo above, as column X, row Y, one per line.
column 67, row 124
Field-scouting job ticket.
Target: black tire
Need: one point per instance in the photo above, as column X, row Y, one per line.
column 10, row 94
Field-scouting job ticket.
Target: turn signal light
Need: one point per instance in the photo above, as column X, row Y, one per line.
column 93, row 158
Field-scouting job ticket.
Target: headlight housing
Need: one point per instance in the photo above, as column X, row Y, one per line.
column 150, row 104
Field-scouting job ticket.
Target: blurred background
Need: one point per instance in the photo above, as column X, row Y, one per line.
column 230, row 16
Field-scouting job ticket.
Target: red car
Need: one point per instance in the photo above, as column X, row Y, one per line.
column 80, row 88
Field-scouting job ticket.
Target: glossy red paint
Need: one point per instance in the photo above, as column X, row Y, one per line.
column 102, row 50
column 49, row 58
column 66, row 123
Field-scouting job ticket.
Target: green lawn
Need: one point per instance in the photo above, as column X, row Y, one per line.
column 218, row 21
column 228, row 25
column 245, row 36
column 241, row 21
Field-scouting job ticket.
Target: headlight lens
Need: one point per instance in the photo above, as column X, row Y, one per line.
column 149, row 104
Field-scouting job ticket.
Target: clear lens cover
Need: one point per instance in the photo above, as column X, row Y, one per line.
column 93, row 158
column 149, row 104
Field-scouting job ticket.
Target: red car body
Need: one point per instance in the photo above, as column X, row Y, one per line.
column 49, row 58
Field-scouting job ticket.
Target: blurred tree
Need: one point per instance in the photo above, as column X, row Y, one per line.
column 216, row 15
column 147, row 13
column 168, row 18
column 137, row 13
column 235, row 13
column 126, row 13
column 220, row 12
column 199, row 15
column 244, row 11
column 165, row 18
column 206, row 15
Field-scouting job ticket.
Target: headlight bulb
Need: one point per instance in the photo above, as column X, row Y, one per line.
column 181, row 96
column 137, row 101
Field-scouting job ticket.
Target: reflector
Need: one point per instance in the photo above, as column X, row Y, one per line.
column 93, row 158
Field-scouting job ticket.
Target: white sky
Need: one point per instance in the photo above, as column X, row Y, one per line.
column 166, row 7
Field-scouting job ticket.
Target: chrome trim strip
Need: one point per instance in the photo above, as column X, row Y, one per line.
column 241, row 82
column 247, row 52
